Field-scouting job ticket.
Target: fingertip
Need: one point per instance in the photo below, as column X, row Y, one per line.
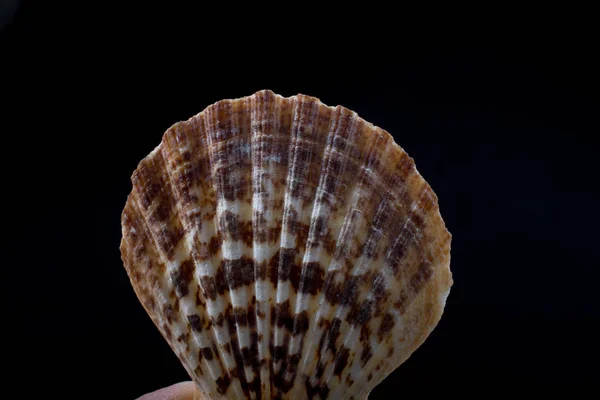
column 178, row 391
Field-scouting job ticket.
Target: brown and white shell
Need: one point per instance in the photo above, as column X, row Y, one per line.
column 285, row 249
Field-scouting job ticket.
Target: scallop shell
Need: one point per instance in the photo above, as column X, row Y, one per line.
column 285, row 249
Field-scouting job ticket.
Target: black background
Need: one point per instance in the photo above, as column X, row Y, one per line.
column 502, row 126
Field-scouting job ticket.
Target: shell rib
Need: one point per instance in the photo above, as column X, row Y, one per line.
column 285, row 249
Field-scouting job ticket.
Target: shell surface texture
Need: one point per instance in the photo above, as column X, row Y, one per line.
column 285, row 249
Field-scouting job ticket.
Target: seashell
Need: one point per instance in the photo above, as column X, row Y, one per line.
column 285, row 249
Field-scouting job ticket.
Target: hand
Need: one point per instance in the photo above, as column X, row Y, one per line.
column 179, row 391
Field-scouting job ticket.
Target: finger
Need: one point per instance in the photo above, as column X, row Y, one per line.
column 179, row 391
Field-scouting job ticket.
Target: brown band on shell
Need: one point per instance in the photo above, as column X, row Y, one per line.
column 289, row 269
column 182, row 277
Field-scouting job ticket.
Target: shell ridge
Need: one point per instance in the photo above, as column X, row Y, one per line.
column 144, row 233
column 138, row 280
column 297, row 208
column 365, row 306
column 266, row 125
column 416, row 337
column 200, row 340
column 277, row 339
column 358, row 209
column 362, row 307
column 344, row 122
column 349, row 341
column 174, row 140
column 381, row 350
column 365, row 300
column 227, row 224
column 247, row 313
column 210, row 351
column 359, row 212
column 257, row 181
column 313, row 320
column 212, row 287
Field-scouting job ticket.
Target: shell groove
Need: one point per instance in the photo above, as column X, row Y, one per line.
column 285, row 249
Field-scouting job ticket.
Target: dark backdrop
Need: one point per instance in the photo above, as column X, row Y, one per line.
column 502, row 127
